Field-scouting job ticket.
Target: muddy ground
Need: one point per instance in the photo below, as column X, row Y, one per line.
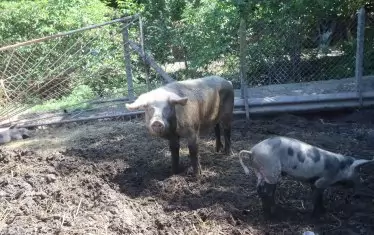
column 111, row 177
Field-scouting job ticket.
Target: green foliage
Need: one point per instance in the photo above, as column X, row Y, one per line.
column 287, row 41
column 25, row 19
column 93, row 57
column 209, row 31
column 130, row 7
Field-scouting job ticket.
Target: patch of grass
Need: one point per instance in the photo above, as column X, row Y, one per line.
column 76, row 98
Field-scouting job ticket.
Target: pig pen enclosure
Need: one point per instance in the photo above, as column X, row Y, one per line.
column 92, row 168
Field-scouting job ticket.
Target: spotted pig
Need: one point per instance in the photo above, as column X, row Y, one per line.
column 277, row 156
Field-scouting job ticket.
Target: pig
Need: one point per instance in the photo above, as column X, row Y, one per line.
column 279, row 156
column 9, row 134
column 186, row 109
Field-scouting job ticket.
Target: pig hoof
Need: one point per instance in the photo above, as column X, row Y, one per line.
column 269, row 215
column 268, row 211
column 194, row 172
column 227, row 151
column 189, row 171
column 317, row 212
column 197, row 172
column 219, row 146
column 174, row 169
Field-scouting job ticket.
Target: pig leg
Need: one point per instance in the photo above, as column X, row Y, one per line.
column 174, row 146
column 226, row 123
column 317, row 196
column 268, row 178
column 217, row 132
column 194, row 155
column 266, row 192
column 227, row 105
column 227, row 135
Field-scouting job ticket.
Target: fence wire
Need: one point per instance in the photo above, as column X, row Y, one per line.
column 79, row 72
column 293, row 48
column 285, row 52
column 369, row 44
column 66, row 72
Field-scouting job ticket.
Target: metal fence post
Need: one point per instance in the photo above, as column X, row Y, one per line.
column 360, row 52
column 126, row 48
column 243, row 69
column 141, row 35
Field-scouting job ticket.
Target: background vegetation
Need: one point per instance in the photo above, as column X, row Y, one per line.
column 287, row 41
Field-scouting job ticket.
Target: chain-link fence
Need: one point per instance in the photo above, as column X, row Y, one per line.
column 369, row 43
column 285, row 51
column 90, row 69
column 70, row 70
column 290, row 48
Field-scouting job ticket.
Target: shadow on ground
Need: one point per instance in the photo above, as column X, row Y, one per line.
column 223, row 185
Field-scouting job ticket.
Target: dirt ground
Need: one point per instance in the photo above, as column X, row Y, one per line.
column 111, row 177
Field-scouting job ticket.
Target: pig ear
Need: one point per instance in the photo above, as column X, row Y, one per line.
column 136, row 105
column 178, row 100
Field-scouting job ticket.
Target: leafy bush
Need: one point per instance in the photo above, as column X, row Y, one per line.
column 28, row 19
column 93, row 57
column 287, row 41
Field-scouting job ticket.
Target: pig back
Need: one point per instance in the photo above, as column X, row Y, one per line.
column 208, row 98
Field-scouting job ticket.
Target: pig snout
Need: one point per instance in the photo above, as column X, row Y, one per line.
column 157, row 126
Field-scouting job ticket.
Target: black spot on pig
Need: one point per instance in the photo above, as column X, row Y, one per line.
column 290, row 151
column 314, row 154
column 346, row 162
column 332, row 164
column 300, row 157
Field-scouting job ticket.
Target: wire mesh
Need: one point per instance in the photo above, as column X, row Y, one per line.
column 67, row 72
column 284, row 52
column 294, row 48
column 90, row 64
column 369, row 42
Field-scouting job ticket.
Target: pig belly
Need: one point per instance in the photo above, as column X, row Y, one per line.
column 303, row 171
column 207, row 123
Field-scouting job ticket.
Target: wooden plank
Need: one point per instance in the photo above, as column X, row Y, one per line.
column 301, row 99
column 82, row 119
column 151, row 62
column 331, row 105
column 349, row 101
